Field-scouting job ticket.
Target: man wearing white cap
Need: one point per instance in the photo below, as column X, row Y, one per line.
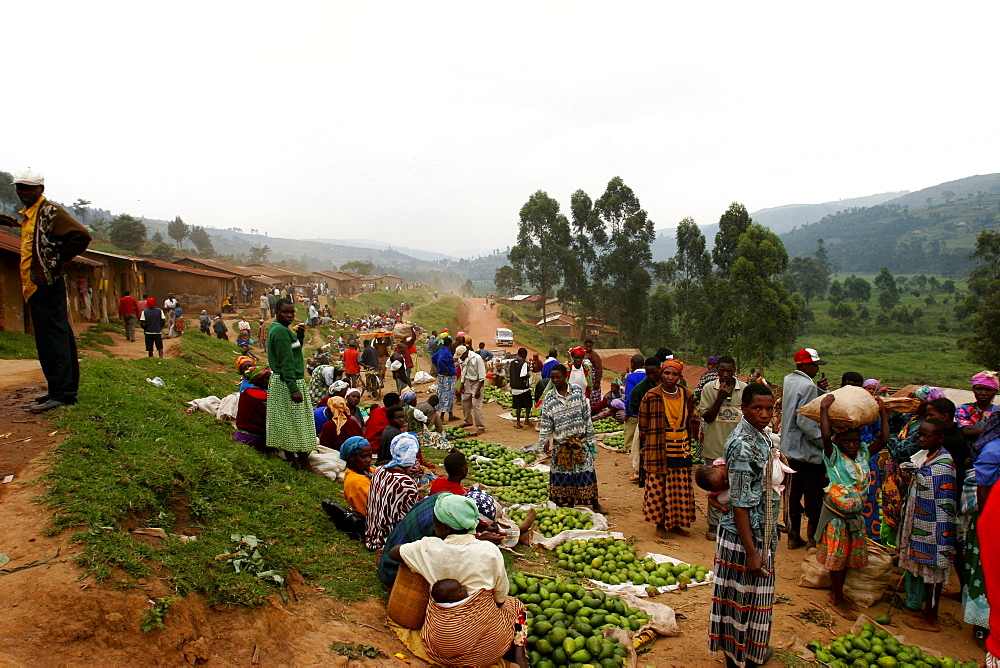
column 803, row 445
column 50, row 237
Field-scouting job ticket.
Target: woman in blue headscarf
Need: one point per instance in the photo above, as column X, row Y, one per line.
column 393, row 491
column 357, row 453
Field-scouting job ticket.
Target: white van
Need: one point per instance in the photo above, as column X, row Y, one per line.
column 504, row 337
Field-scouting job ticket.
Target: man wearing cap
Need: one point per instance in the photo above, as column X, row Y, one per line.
column 803, row 445
column 50, row 237
column 473, row 380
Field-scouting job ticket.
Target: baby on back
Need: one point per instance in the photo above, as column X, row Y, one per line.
column 449, row 592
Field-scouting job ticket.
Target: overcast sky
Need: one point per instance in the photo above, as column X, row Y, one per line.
column 429, row 124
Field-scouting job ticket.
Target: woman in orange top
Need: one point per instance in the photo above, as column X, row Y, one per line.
column 665, row 442
column 358, row 478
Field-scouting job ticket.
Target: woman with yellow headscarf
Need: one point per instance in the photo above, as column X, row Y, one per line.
column 665, row 452
column 341, row 425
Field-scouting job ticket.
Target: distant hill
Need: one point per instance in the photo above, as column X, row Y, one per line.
column 430, row 256
column 784, row 218
column 907, row 234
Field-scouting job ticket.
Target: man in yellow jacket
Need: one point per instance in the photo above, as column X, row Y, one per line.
column 50, row 237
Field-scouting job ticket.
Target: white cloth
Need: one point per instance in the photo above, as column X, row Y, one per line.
column 578, row 377
column 169, row 303
column 477, row 564
column 243, row 324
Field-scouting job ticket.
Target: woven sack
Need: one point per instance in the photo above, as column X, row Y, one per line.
column 408, row 600
column 865, row 586
column 853, row 407
column 814, row 574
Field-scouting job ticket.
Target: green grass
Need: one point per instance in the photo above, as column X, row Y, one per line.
column 17, row 346
column 438, row 314
column 96, row 337
column 133, row 458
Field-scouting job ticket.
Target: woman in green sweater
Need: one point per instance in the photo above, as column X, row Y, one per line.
column 290, row 423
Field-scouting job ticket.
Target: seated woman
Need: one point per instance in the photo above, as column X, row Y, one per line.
column 341, row 425
column 487, row 625
column 251, row 411
column 358, row 478
column 393, row 491
column 615, row 410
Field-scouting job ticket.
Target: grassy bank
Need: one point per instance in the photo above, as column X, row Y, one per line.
column 132, row 458
column 438, row 314
column 17, row 346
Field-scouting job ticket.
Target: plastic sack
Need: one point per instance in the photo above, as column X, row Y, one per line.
column 814, row 574
column 327, row 462
column 156, row 381
column 853, row 407
column 422, row 377
column 865, row 586
column 599, row 521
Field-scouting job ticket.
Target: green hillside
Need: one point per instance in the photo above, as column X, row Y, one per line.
column 934, row 236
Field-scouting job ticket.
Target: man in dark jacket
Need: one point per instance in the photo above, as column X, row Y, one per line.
column 50, row 237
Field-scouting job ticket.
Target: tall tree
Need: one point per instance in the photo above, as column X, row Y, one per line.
column 691, row 270
column 358, row 267
column 468, row 289
column 857, row 290
column 202, row 242
column 507, row 280
column 764, row 319
column 982, row 340
column 662, row 313
column 807, row 276
column 177, row 230
column 543, row 236
column 586, row 231
column 623, row 264
column 80, row 209
column 888, row 290
column 732, row 224
column 128, row 233
column 258, row 254
column 157, row 238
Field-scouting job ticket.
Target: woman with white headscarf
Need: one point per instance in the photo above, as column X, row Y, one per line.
column 393, row 491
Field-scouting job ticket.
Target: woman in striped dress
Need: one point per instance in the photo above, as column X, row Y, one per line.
column 565, row 416
column 665, row 451
column 739, row 624
column 393, row 491
column 291, row 425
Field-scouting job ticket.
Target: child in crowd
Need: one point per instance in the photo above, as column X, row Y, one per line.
column 449, row 592
column 927, row 529
column 714, row 479
column 840, row 535
column 457, row 468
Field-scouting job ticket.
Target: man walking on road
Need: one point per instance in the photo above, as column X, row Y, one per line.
column 50, row 237
column 802, row 443
column 473, row 380
column 128, row 309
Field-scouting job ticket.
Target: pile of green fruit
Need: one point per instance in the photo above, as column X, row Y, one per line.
column 617, row 441
column 877, row 648
column 552, row 521
column 453, row 432
column 500, row 396
column 565, row 622
column 606, row 426
column 614, row 562
column 520, row 484
column 473, row 446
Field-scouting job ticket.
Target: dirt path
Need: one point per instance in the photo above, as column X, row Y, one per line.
column 482, row 325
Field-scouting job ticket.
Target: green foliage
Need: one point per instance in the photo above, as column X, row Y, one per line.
column 177, row 230
column 982, row 340
column 662, row 314
column 732, row 224
column 807, row 276
column 157, row 238
column 543, row 236
column 439, row 314
column 17, row 345
column 359, row 267
column 117, row 469
column 127, row 233
column 162, row 251
column 507, row 280
column 858, row 290
column 202, row 242
column 258, row 254
column 153, row 617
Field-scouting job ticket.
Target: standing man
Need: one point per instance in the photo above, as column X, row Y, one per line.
column 272, row 301
column 651, row 371
column 352, row 369
column 128, row 309
column 473, row 380
column 637, row 374
column 720, row 413
column 803, row 445
column 153, row 321
column 50, row 237
column 520, row 387
column 484, row 353
column 597, row 365
column 265, row 306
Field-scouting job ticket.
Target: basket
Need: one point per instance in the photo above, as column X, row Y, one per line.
column 408, row 600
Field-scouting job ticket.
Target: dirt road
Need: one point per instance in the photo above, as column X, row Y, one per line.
column 482, row 326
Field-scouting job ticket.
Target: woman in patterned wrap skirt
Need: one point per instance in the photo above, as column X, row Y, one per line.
column 665, row 452
column 290, row 423
column 739, row 624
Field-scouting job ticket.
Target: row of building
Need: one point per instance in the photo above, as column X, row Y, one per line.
column 96, row 280
column 560, row 318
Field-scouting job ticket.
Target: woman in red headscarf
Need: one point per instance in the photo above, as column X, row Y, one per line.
column 665, row 451
column 580, row 371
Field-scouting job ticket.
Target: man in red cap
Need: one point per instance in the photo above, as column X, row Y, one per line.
column 802, row 443
column 50, row 237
